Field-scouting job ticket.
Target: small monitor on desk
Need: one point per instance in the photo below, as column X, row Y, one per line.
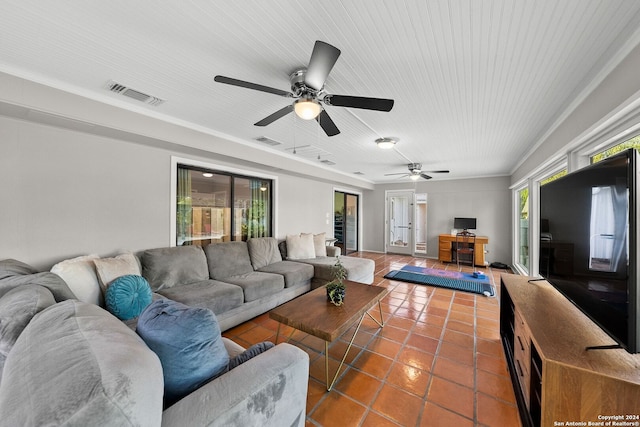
column 464, row 223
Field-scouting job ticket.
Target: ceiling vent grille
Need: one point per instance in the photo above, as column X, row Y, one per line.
column 327, row 162
column 135, row 94
column 268, row 141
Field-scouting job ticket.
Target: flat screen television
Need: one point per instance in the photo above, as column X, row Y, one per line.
column 464, row 223
column 589, row 243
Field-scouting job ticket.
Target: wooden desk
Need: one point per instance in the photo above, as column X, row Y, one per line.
column 445, row 241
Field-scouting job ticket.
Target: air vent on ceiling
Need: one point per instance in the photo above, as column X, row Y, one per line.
column 135, row 94
column 327, row 162
column 268, row 141
column 358, row 173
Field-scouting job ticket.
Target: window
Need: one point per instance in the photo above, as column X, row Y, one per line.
column 217, row 206
column 523, row 227
column 630, row 143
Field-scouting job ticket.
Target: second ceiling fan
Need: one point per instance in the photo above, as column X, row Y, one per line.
column 307, row 88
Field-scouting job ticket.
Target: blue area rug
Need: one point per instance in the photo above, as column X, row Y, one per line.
column 445, row 279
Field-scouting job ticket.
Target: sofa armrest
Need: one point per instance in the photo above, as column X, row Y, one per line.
column 333, row 251
column 268, row 390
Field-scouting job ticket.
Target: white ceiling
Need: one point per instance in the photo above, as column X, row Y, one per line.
column 476, row 83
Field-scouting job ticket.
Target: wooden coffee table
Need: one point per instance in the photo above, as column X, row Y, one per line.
column 314, row 314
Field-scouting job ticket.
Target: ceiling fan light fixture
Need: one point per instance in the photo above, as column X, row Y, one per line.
column 414, row 176
column 386, row 143
column 306, row 108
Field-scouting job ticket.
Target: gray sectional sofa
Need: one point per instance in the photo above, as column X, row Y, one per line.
column 241, row 280
column 65, row 360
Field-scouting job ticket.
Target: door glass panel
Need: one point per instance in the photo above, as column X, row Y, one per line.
column 523, row 253
column 351, row 224
column 399, row 226
column 421, row 224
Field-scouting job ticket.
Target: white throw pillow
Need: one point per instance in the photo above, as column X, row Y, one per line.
column 320, row 244
column 80, row 275
column 109, row 269
column 300, row 247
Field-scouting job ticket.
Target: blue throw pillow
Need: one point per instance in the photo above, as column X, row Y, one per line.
column 250, row 353
column 188, row 342
column 127, row 296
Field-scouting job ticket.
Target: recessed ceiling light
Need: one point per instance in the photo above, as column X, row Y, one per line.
column 207, row 174
column 386, row 142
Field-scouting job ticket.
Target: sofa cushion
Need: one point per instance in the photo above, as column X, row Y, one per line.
column 300, row 246
column 127, row 296
column 80, row 274
column 295, row 273
column 218, row 297
column 12, row 267
column 109, row 269
column 53, row 282
column 167, row 267
column 256, row 284
column 17, row 308
column 76, row 364
column 188, row 342
column 228, row 259
column 263, row 251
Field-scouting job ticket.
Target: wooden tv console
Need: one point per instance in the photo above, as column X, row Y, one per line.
column 445, row 242
column 556, row 380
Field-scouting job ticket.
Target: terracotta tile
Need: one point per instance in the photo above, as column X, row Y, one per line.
column 441, row 392
column 492, row 412
column 416, row 358
column 453, row 371
column 407, row 313
column 497, row 386
column 400, row 322
column 456, row 325
column 338, row 410
column 493, row 365
column 393, row 333
column 464, row 355
column 423, row 343
column 458, row 338
column 384, row 347
column 435, row 416
column 373, row 364
column 409, row 378
column 398, row 405
column 338, row 348
column 316, row 391
column 432, row 319
column 436, row 311
column 488, row 333
column 373, row 419
column 359, row 386
column 427, row 330
column 490, row 347
column 317, row 369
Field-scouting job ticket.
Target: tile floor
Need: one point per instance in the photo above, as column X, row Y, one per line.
column 438, row 361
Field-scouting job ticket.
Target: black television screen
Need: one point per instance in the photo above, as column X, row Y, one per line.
column 464, row 223
column 589, row 243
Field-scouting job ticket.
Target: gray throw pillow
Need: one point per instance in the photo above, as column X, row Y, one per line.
column 17, row 308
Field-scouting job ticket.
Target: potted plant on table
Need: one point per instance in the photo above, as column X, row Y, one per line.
column 336, row 288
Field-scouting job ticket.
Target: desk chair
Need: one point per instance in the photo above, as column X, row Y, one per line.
column 465, row 245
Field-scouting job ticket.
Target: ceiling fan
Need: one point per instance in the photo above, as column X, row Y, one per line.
column 416, row 172
column 307, row 88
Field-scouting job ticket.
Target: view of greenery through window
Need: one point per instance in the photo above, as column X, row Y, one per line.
column 630, row 143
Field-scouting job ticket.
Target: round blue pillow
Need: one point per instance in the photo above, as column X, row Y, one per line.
column 127, row 296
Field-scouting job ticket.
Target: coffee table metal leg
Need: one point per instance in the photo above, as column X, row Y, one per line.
column 344, row 357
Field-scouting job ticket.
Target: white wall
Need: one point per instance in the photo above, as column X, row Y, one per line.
column 66, row 193
column 487, row 199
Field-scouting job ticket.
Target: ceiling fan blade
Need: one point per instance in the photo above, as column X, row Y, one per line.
column 442, row 171
column 327, row 124
column 275, row 116
column 425, row 176
column 399, row 173
column 378, row 104
column 254, row 86
column 323, row 58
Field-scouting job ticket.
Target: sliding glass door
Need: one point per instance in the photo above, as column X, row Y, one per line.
column 345, row 231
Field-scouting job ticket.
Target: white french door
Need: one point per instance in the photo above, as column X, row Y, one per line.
column 399, row 222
